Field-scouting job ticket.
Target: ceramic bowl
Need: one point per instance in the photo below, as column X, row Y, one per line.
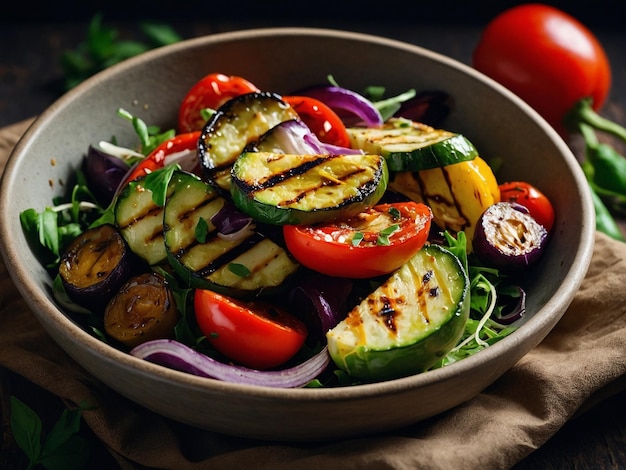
column 283, row 59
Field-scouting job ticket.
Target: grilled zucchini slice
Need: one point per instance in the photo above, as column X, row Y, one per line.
column 408, row 323
column 238, row 122
column 140, row 221
column 242, row 266
column 282, row 189
column 413, row 146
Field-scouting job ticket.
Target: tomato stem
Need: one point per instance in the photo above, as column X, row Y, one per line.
column 583, row 113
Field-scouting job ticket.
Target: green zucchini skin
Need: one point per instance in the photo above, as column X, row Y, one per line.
column 236, row 124
column 408, row 323
column 206, row 263
column 282, row 189
column 413, row 146
column 140, row 221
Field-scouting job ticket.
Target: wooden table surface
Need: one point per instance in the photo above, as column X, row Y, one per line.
column 31, row 43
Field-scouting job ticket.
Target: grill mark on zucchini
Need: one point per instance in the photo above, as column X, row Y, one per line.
column 282, row 177
column 197, row 208
column 228, row 257
column 293, row 188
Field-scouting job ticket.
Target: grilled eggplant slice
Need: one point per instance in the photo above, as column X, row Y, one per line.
column 241, row 264
column 413, row 146
column 408, row 323
column 508, row 238
column 95, row 266
column 282, row 189
column 144, row 309
column 238, row 122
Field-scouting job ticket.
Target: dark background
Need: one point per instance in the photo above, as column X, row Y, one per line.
column 594, row 13
column 33, row 37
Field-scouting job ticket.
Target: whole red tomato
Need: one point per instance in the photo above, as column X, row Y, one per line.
column 546, row 57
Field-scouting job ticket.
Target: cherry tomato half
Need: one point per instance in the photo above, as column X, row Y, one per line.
column 210, row 92
column 181, row 143
column 530, row 197
column 256, row 335
column 546, row 57
column 373, row 243
column 321, row 119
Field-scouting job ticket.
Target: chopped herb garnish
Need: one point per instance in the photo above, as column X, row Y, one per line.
column 383, row 235
column 239, row 269
column 202, row 230
column 395, row 213
column 357, row 238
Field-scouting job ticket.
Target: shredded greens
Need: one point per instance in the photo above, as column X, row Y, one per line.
column 486, row 284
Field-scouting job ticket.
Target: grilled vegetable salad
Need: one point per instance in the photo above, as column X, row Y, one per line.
column 321, row 238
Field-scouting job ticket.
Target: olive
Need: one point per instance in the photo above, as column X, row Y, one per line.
column 95, row 265
column 144, row 309
column 508, row 238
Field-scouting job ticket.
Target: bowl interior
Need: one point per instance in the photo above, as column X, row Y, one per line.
column 151, row 87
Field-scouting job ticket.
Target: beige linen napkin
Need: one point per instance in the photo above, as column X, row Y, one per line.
column 585, row 353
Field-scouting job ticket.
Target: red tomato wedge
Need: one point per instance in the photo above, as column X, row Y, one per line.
column 156, row 159
column 211, row 92
column 253, row 334
column 530, row 197
column 373, row 243
column 322, row 120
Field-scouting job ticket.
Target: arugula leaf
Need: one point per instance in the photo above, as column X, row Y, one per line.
column 149, row 136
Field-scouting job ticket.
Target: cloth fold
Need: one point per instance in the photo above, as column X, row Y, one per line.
column 583, row 356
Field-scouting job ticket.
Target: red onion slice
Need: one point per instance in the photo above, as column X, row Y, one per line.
column 232, row 224
column 175, row 355
column 338, row 98
column 294, row 136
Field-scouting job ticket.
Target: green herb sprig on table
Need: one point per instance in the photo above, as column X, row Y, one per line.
column 103, row 48
column 61, row 448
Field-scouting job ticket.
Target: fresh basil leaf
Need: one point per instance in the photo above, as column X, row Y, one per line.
column 26, row 428
column 158, row 181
